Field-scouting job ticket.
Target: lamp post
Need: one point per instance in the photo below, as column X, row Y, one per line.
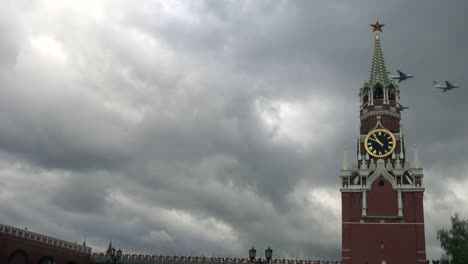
column 253, row 252
column 112, row 254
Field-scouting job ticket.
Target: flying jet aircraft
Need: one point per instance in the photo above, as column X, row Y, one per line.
column 402, row 76
column 403, row 107
column 448, row 86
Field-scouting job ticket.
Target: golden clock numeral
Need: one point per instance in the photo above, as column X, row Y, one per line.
column 370, row 148
column 375, row 151
column 380, row 133
column 369, row 144
column 389, row 138
column 389, row 147
column 380, row 153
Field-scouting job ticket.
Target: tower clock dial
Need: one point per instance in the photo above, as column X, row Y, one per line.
column 380, row 143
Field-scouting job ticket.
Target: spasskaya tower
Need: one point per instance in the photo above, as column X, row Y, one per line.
column 381, row 192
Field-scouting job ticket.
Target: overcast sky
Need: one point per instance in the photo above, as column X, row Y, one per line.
column 209, row 127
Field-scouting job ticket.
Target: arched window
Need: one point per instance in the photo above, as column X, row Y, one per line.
column 18, row 257
column 355, row 179
column 47, row 260
column 378, row 93
column 407, row 178
column 365, row 99
column 381, row 183
column 391, row 94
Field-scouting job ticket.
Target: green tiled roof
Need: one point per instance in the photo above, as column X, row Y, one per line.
column 378, row 72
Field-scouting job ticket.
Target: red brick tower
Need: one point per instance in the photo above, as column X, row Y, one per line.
column 382, row 193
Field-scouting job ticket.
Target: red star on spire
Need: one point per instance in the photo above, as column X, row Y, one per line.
column 377, row 26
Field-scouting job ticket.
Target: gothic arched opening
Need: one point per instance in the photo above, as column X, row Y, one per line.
column 378, row 93
column 47, row 260
column 355, row 179
column 408, row 178
column 18, row 256
column 365, row 100
column 391, row 94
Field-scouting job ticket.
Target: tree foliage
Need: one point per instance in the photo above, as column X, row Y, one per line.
column 454, row 241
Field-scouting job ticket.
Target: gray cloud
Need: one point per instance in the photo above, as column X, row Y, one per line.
column 205, row 128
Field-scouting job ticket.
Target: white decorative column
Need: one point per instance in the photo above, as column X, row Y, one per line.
column 359, row 157
column 401, row 143
column 385, row 95
column 397, row 97
column 361, row 102
column 400, row 207
column 364, row 203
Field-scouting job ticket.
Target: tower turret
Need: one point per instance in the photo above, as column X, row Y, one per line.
column 382, row 205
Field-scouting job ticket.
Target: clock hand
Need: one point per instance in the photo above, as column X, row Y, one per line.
column 377, row 140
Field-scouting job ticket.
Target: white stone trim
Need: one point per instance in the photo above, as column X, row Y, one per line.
column 379, row 112
column 378, row 223
column 413, row 189
column 351, row 189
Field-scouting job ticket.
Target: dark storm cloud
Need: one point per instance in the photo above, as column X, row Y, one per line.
column 207, row 127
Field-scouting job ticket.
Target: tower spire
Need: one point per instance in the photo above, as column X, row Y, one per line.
column 378, row 70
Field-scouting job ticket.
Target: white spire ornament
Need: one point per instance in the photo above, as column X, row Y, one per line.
column 372, row 165
column 416, row 162
column 401, row 144
column 398, row 164
column 345, row 159
column 363, row 165
column 389, row 166
column 359, row 157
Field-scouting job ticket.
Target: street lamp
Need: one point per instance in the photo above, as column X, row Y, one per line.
column 111, row 254
column 268, row 255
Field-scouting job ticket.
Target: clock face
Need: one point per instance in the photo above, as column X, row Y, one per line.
column 380, row 143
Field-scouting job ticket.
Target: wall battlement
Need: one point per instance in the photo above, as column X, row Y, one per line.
column 26, row 234
column 129, row 258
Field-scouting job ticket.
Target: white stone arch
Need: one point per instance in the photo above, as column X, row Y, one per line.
column 381, row 171
column 378, row 124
